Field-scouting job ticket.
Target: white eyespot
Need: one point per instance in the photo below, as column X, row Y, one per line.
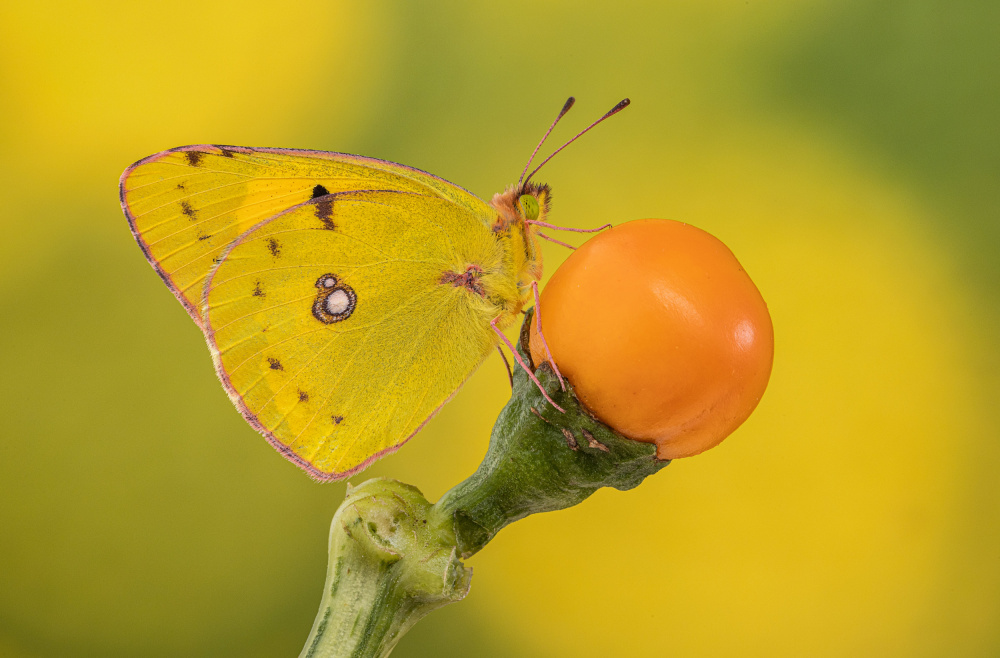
column 337, row 302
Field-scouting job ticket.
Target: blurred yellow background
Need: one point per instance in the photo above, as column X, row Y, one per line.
column 848, row 153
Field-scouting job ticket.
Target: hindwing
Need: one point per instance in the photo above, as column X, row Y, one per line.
column 340, row 326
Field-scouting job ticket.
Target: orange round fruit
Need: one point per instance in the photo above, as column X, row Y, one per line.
column 661, row 332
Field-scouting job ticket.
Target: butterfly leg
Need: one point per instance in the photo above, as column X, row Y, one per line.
column 520, row 362
column 510, row 375
column 550, row 239
column 538, row 325
column 566, row 228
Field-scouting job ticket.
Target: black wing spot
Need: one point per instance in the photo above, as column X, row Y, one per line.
column 337, row 420
column 188, row 210
column 204, row 237
column 226, row 152
column 257, row 290
column 194, row 157
column 324, row 213
column 180, row 186
column 274, row 247
column 303, row 396
column 274, row 363
column 319, row 190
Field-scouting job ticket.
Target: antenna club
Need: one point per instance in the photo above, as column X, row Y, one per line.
column 617, row 108
column 622, row 104
column 568, row 104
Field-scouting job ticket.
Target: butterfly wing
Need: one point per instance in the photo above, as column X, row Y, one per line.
column 186, row 205
column 341, row 325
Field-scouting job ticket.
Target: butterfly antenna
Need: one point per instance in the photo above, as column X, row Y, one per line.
column 568, row 104
column 613, row 111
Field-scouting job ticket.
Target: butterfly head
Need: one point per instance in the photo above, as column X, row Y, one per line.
column 519, row 206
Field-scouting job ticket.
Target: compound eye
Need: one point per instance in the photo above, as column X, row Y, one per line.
column 529, row 206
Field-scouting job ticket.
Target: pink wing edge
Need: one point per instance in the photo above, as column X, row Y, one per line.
column 237, row 399
column 218, row 149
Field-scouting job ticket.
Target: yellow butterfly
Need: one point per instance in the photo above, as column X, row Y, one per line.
column 344, row 299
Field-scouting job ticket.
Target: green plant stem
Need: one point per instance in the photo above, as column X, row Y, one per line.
column 389, row 566
column 541, row 460
column 394, row 557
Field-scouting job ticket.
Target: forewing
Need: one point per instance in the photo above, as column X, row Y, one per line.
column 335, row 327
column 186, row 205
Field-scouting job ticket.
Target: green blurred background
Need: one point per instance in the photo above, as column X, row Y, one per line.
column 847, row 151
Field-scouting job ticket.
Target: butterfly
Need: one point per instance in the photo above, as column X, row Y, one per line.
column 344, row 298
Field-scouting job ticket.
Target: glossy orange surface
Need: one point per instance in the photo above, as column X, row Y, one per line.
column 661, row 332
